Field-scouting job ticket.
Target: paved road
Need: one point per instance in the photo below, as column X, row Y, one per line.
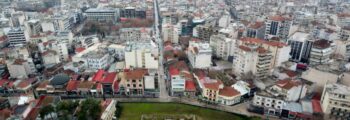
column 162, row 85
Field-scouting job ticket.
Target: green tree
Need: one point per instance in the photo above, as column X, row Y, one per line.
column 90, row 109
column 48, row 109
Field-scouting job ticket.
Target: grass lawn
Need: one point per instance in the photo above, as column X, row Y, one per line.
column 133, row 111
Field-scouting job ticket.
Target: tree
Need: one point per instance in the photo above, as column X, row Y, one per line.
column 48, row 109
column 89, row 109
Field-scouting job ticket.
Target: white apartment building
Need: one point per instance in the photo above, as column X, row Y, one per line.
column 33, row 26
column 279, row 50
column 62, row 22
column 320, row 52
column 18, row 36
column 199, row 54
column 290, row 90
column 277, row 26
column 102, row 14
column 272, row 105
column 97, row 59
column 141, row 55
column 60, row 48
column 335, row 100
column 301, row 46
column 177, row 85
column 223, row 46
column 252, row 58
column 170, row 33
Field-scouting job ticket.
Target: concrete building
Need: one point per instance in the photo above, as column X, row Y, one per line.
column 342, row 48
column 320, row 52
column 344, row 33
column 223, row 47
column 271, row 105
column 33, row 26
column 60, row 48
column 343, row 19
column 132, row 12
column 102, row 14
column 135, row 34
column 170, row 33
column 134, row 82
column 290, row 90
column 205, row 31
column 279, row 50
column 51, row 57
column 256, row 30
column 335, row 100
column 277, row 26
column 199, row 54
column 300, row 47
column 62, row 22
column 18, row 37
column 20, row 68
column 252, row 58
column 177, row 85
column 229, row 96
column 96, row 59
column 141, row 55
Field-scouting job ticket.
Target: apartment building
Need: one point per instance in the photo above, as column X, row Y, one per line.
column 135, row 34
column 335, row 100
column 141, row 55
column 96, row 59
column 290, row 90
column 102, row 14
column 256, row 30
column 301, row 45
column 177, row 85
column 199, row 54
column 132, row 12
column 320, row 52
column 20, row 68
column 223, row 47
column 343, row 19
column 271, row 104
column 170, row 33
column 252, row 58
column 60, row 48
column 205, row 31
column 277, row 26
column 18, row 36
column 134, row 82
column 344, row 33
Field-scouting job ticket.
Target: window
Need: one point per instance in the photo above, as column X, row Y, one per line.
column 128, row 85
column 133, row 80
column 140, row 85
column 134, row 85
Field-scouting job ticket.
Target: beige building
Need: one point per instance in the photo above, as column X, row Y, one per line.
column 335, row 100
column 20, row 68
column 252, row 58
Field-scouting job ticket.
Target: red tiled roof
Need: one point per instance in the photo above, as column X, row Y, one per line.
column 190, row 86
column 25, row 83
column 109, row 78
column 316, row 106
column 228, row 91
column 278, row 18
column 98, row 75
column 261, row 41
column 287, row 84
column 322, row 44
column 79, row 49
column 135, row 74
column 173, row 71
column 3, row 81
column 5, row 113
column 213, row 85
column 256, row 25
column 244, row 48
column 290, row 73
column 72, row 85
